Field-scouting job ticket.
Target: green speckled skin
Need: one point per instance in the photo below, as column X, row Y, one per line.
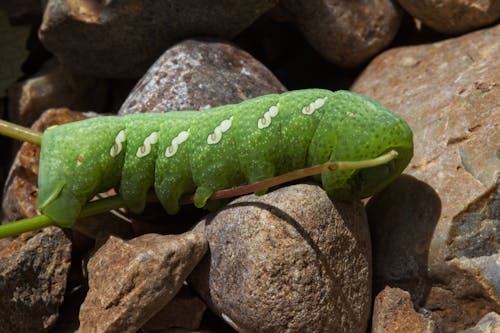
column 76, row 162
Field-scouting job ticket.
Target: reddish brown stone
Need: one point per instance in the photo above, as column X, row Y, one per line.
column 448, row 238
column 453, row 16
column 393, row 312
column 130, row 281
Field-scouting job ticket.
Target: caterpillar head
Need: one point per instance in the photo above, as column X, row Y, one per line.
column 356, row 128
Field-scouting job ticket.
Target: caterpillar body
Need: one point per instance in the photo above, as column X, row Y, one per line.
column 183, row 152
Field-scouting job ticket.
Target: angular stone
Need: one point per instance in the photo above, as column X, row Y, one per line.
column 185, row 310
column 449, row 94
column 194, row 75
column 347, row 33
column 136, row 31
column 393, row 312
column 52, row 88
column 130, row 281
column 488, row 324
column 453, row 16
column 33, row 273
column 288, row 261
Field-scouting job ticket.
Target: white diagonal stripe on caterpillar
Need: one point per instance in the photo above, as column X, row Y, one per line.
column 216, row 135
column 180, row 138
column 309, row 109
column 117, row 146
column 265, row 121
column 145, row 149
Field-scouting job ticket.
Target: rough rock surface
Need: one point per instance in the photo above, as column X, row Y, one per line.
column 488, row 324
column 130, row 281
column 288, row 261
column 346, row 33
column 449, row 94
column 393, row 312
column 185, row 310
column 21, row 191
column 54, row 88
column 33, row 273
column 194, row 75
column 453, row 16
column 122, row 39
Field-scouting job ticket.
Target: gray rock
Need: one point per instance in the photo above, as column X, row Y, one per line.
column 488, row 324
column 194, row 75
column 130, row 281
column 347, row 33
column 288, row 261
column 449, row 94
column 122, row 39
column 453, row 16
column 393, row 312
column 33, row 273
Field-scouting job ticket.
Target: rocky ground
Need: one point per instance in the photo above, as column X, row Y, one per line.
column 423, row 255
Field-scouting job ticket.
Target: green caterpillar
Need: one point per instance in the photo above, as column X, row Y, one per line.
column 202, row 152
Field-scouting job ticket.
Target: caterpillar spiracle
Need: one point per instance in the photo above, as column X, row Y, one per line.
column 185, row 152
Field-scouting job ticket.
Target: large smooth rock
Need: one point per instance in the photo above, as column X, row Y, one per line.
column 122, row 39
column 488, row 324
column 194, row 75
column 289, row 261
column 347, row 33
column 33, row 274
column 449, row 94
column 453, row 16
column 130, row 281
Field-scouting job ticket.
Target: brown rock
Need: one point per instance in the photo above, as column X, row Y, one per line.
column 136, row 31
column 346, row 33
column 185, row 310
column 488, row 324
column 33, row 272
column 393, row 312
column 449, row 94
column 21, row 191
column 288, row 261
column 52, row 88
column 195, row 75
column 130, row 281
column 453, row 16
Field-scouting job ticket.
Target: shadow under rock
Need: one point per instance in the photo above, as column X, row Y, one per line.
column 402, row 221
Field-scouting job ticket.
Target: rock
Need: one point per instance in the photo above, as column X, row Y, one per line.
column 347, row 33
column 137, row 31
column 33, row 272
column 21, row 191
column 453, row 16
column 288, row 261
column 456, row 132
column 185, row 310
column 195, row 75
column 130, row 281
column 488, row 324
column 55, row 87
column 393, row 312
